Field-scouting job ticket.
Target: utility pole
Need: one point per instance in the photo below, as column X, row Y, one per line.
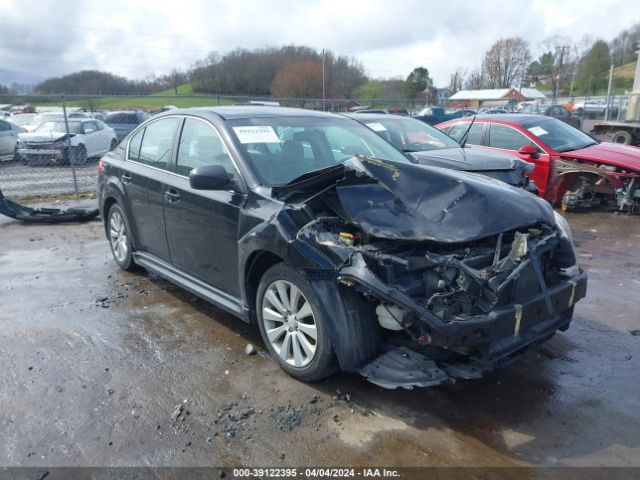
column 606, row 112
column 559, row 71
column 323, row 95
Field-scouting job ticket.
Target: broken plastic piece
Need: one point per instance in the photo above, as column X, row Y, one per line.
column 403, row 367
column 45, row 215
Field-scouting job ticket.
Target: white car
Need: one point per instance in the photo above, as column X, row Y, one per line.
column 48, row 144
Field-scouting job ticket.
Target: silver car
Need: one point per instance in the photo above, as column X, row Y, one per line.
column 8, row 138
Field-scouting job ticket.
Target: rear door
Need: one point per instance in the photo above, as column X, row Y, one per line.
column 476, row 134
column 202, row 226
column 143, row 177
column 509, row 139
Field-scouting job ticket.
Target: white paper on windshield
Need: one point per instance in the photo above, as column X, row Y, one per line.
column 256, row 134
column 538, row 131
column 377, row 127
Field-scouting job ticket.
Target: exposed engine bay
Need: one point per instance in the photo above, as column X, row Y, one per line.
column 587, row 185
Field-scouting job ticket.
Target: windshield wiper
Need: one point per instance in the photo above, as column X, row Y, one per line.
column 463, row 140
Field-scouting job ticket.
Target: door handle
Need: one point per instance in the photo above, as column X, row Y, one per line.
column 172, row 195
column 125, row 177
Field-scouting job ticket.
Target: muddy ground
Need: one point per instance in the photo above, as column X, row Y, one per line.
column 106, row 368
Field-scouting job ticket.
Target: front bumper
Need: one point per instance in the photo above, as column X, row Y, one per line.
column 494, row 339
column 41, row 154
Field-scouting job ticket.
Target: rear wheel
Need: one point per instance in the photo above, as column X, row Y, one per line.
column 292, row 325
column 622, row 137
column 119, row 237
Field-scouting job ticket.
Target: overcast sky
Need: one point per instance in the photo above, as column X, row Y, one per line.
column 136, row 38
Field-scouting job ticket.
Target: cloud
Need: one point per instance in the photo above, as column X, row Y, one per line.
column 147, row 37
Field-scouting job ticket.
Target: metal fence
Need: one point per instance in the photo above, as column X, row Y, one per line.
column 35, row 164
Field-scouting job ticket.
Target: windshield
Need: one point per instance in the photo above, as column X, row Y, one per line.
column 281, row 149
column 557, row 135
column 411, row 135
column 59, row 127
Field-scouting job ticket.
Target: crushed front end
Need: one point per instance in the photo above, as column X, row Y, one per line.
column 457, row 311
column 462, row 280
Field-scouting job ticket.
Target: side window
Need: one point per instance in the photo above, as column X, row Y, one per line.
column 200, row 145
column 4, row 126
column 458, row 130
column 508, row 138
column 155, row 149
column 89, row 127
column 134, row 146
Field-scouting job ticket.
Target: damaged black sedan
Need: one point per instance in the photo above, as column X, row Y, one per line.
column 343, row 252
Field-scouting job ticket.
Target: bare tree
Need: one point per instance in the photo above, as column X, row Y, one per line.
column 505, row 62
column 456, row 80
column 475, row 80
column 300, row 80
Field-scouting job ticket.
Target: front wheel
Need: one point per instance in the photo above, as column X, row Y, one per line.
column 80, row 155
column 292, row 324
column 113, row 145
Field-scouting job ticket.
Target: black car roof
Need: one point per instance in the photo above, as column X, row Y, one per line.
column 251, row 111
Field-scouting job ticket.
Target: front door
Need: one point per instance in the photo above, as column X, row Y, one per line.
column 509, row 139
column 202, row 226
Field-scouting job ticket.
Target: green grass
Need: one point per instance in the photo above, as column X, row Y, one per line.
column 186, row 98
column 184, row 89
column 151, row 102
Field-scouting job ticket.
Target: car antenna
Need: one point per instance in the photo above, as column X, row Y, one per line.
column 463, row 140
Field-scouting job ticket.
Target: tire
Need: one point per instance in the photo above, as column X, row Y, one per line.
column 118, row 233
column 622, row 137
column 280, row 322
column 113, row 145
column 80, row 153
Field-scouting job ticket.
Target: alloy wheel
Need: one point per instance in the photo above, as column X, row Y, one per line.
column 289, row 323
column 118, row 237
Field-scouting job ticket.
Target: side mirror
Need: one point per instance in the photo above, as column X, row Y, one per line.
column 528, row 151
column 209, row 177
column 88, row 130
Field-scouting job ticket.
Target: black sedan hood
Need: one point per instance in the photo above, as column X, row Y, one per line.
column 413, row 202
column 469, row 159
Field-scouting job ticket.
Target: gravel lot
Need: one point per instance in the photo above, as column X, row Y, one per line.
column 104, row 367
column 21, row 180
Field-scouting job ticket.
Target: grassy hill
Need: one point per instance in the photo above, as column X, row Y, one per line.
column 185, row 98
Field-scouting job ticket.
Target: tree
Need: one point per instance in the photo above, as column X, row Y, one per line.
column 624, row 46
column 417, row 82
column 592, row 73
column 456, row 80
column 371, row 90
column 505, row 62
column 177, row 78
column 301, row 80
column 475, row 80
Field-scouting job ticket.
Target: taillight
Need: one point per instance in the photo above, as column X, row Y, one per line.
column 100, row 167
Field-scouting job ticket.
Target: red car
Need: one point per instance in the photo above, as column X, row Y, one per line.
column 572, row 168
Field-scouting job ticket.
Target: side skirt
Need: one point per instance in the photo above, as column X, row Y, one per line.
column 211, row 294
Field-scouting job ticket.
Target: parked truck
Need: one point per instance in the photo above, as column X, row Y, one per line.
column 628, row 131
column 435, row 115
